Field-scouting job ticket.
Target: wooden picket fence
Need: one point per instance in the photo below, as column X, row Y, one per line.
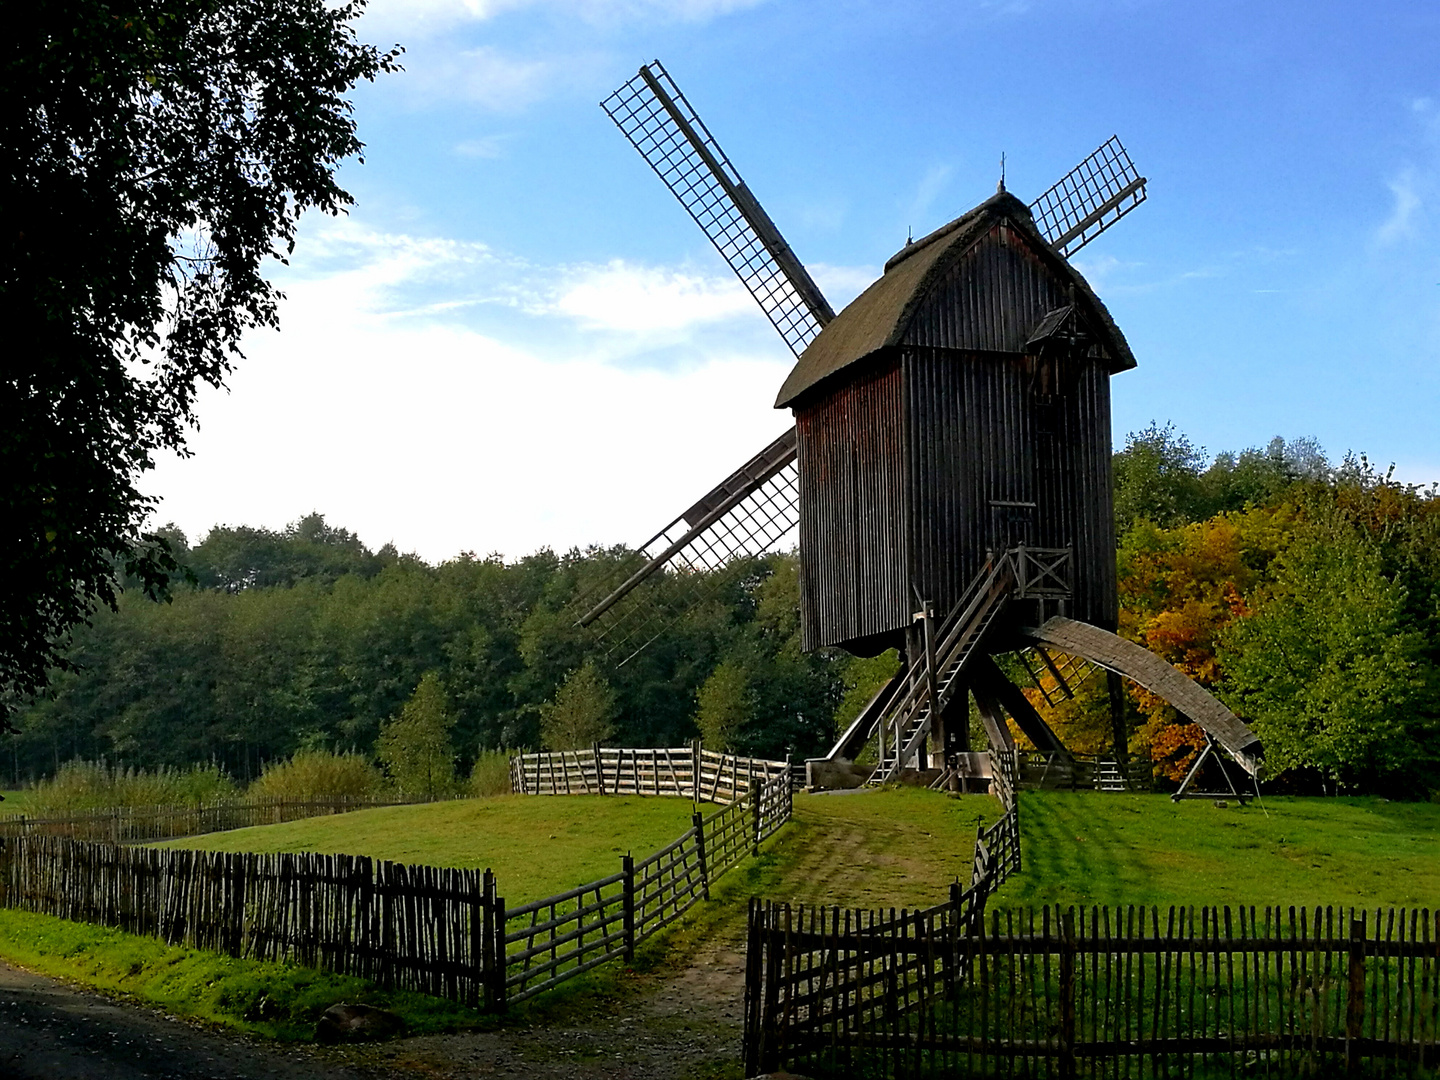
column 1099, row 992
column 438, row 931
column 554, row 939
column 148, row 824
column 689, row 772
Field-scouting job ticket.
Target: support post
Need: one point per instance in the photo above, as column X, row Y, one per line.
column 1194, row 769
column 627, row 867
column 599, row 768
column 1119, row 720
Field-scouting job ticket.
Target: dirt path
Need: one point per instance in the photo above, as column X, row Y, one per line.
column 51, row 1031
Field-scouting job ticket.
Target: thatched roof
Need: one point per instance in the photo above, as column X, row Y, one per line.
column 880, row 316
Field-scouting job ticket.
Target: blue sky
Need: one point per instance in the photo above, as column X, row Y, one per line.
column 518, row 339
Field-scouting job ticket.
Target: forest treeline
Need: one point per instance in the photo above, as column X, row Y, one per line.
column 1307, row 595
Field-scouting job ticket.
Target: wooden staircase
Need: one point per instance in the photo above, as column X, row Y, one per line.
column 904, row 725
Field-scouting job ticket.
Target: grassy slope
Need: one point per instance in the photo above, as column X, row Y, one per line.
column 537, row 846
column 872, row 849
column 276, row 1000
column 1117, row 849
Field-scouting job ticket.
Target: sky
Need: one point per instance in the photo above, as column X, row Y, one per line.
column 517, row 338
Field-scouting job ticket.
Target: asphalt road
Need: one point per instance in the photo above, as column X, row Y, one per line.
column 51, row 1031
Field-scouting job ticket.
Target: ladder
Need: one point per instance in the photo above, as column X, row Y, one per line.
column 905, row 723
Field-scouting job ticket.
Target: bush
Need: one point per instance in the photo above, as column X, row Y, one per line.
column 491, row 774
column 319, row 775
column 85, row 786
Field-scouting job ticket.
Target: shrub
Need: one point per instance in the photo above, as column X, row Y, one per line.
column 85, row 786
column 491, row 774
column 319, row 775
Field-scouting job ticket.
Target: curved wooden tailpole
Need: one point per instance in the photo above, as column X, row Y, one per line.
column 1193, row 701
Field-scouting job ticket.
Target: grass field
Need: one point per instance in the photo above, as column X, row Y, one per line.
column 14, row 802
column 1088, row 848
column 536, row 846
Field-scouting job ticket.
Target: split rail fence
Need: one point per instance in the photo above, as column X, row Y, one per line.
column 438, row 931
column 146, row 824
column 689, row 772
column 1101, row 992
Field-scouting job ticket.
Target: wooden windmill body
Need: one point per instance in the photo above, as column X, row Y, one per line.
column 949, row 472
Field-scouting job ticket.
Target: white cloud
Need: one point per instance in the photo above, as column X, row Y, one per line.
column 402, row 423
column 931, row 184
column 487, row 77
column 1405, row 189
column 487, row 146
column 620, row 296
column 428, row 17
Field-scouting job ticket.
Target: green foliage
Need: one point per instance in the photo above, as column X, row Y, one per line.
column 415, row 747
column 274, row 1000
column 169, row 148
column 863, row 677
column 582, row 712
column 1330, row 667
column 82, row 786
column 725, row 703
column 1162, row 478
column 315, row 775
column 490, row 774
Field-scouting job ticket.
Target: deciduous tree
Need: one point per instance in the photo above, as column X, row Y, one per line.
column 156, row 153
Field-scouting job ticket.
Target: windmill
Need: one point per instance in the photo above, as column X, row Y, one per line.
column 949, row 472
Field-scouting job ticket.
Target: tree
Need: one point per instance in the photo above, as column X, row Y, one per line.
column 725, row 704
column 581, row 713
column 1330, row 669
column 415, row 747
column 156, row 153
column 1157, row 479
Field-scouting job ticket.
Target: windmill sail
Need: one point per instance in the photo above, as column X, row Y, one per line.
column 756, row 509
column 753, row 511
column 659, row 122
column 1089, row 198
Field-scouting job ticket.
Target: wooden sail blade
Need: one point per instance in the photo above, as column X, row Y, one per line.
column 753, row 511
column 1089, row 198
column 657, row 119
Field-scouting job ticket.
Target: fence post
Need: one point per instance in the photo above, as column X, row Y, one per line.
column 698, row 821
column 497, row 986
column 487, row 939
column 695, row 770
column 627, row 867
column 1067, row 994
column 754, row 1036
column 599, row 769
column 755, row 821
column 1355, row 1000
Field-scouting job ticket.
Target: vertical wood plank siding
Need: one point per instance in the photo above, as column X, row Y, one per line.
column 901, row 466
column 854, row 582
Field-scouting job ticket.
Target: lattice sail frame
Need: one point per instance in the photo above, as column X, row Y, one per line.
column 657, row 119
column 1089, row 198
column 755, row 511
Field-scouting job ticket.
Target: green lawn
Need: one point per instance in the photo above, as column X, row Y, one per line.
column 14, row 802
column 1089, row 848
column 537, row 845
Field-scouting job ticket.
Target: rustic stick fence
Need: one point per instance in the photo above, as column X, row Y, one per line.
column 689, row 772
column 1099, row 992
column 147, row 824
column 438, row 931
